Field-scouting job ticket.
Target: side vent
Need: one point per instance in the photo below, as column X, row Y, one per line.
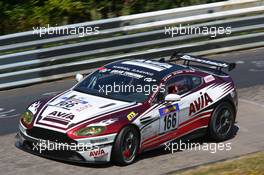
column 145, row 119
column 105, row 106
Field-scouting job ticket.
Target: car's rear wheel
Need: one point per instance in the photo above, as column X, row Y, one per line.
column 126, row 146
column 222, row 122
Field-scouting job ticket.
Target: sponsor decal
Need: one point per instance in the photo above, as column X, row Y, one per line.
column 131, row 115
column 148, row 79
column 168, row 118
column 142, row 72
column 63, row 115
column 157, row 66
column 167, row 77
column 59, row 117
column 78, row 103
column 103, row 69
column 133, row 70
column 126, row 73
column 200, row 103
column 105, row 122
column 83, row 107
column 98, row 153
column 122, row 67
column 209, row 78
column 168, row 109
column 177, row 72
column 188, row 57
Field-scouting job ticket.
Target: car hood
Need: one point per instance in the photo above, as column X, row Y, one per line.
column 74, row 107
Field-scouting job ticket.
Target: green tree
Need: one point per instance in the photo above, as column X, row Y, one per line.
column 17, row 15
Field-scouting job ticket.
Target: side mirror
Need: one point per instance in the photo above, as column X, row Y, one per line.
column 172, row 98
column 78, row 77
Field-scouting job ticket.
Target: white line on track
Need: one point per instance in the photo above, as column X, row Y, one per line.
column 11, row 110
column 8, row 116
column 4, row 114
column 256, row 70
column 240, row 62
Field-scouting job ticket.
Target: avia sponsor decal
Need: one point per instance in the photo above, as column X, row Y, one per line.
column 168, row 109
column 131, row 115
column 98, row 153
column 59, row 117
column 63, row 115
column 200, row 103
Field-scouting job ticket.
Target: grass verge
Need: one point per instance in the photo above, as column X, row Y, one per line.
column 252, row 164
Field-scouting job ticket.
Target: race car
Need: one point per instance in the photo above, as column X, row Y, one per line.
column 130, row 106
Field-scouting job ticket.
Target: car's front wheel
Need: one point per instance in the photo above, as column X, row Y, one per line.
column 222, row 122
column 126, row 146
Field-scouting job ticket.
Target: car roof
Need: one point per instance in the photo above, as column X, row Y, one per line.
column 149, row 67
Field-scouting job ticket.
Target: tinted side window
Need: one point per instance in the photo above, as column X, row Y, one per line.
column 182, row 84
column 179, row 85
column 196, row 81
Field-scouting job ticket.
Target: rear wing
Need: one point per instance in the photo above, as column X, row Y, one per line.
column 188, row 58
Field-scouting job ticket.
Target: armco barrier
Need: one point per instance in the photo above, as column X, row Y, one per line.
column 26, row 58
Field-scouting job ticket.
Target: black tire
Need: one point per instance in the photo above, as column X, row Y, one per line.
column 126, row 146
column 222, row 122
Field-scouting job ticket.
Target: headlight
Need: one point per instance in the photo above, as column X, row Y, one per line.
column 27, row 118
column 89, row 131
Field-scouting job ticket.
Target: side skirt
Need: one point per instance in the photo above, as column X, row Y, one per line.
column 198, row 133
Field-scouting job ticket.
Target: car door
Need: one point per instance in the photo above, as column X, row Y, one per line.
column 168, row 116
column 169, row 111
column 172, row 114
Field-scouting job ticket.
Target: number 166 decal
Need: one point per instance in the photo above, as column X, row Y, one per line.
column 169, row 118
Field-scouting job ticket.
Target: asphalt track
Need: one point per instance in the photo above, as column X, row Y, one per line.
column 248, row 75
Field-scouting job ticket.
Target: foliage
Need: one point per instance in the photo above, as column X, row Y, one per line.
column 17, row 15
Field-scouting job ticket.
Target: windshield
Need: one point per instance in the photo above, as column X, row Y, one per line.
column 118, row 84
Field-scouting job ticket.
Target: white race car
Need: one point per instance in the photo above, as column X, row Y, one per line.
column 96, row 122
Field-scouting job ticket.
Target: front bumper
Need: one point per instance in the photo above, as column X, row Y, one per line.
column 88, row 150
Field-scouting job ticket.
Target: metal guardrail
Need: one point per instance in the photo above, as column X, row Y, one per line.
column 25, row 58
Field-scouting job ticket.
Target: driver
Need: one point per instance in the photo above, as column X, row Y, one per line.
column 173, row 89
